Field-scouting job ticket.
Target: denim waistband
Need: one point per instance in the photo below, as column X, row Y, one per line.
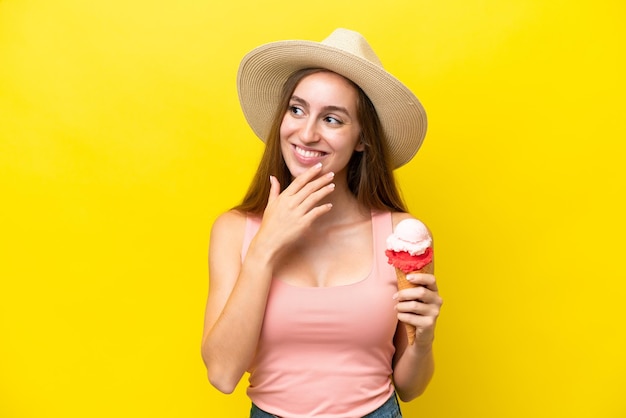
column 390, row 409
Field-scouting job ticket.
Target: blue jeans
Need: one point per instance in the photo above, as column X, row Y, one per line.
column 390, row 409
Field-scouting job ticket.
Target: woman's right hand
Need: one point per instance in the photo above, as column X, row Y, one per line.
column 290, row 213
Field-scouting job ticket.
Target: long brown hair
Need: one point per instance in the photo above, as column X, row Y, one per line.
column 370, row 176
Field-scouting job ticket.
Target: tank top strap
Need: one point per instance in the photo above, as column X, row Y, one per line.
column 382, row 227
column 253, row 223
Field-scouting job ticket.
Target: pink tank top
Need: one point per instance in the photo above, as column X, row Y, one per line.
column 326, row 351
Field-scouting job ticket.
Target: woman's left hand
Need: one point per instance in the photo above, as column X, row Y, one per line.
column 420, row 306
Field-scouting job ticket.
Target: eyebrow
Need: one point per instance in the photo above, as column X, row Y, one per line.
column 330, row 108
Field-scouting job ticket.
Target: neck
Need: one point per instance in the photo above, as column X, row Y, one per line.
column 346, row 208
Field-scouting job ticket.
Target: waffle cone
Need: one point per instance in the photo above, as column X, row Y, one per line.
column 403, row 283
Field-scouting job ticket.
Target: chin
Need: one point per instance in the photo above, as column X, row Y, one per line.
column 296, row 171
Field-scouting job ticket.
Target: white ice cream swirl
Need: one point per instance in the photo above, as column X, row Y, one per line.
column 410, row 236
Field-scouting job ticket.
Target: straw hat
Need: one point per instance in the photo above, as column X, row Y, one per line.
column 264, row 70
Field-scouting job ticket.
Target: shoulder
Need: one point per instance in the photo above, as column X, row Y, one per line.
column 228, row 231
column 233, row 219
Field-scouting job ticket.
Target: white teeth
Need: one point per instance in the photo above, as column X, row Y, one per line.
column 308, row 154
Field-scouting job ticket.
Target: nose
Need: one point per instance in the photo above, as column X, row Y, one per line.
column 309, row 131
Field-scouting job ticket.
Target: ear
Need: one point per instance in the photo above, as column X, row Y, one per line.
column 360, row 146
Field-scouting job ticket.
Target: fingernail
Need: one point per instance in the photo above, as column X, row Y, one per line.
column 395, row 296
column 330, row 175
column 318, row 165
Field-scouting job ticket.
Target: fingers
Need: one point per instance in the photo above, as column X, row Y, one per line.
column 419, row 294
column 299, row 182
column 274, row 189
column 423, row 316
column 304, row 192
column 290, row 213
column 423, row 279
column 419, row 306
column 424, row 324
column 308, row 181
column 315, row 191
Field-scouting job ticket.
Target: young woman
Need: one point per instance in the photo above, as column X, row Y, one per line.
column 301, row 295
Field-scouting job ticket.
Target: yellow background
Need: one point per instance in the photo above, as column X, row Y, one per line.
column 121, row 139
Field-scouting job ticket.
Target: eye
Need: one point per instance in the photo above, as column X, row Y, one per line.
column 332, row 120
column 295, row 110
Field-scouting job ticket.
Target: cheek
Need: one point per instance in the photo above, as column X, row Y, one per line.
column 352, row 141
column 286, row 128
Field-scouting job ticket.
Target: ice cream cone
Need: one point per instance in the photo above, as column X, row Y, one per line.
column 409, row 250
column 403, row 283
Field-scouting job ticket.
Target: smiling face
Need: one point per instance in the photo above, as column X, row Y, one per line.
column 321, row 124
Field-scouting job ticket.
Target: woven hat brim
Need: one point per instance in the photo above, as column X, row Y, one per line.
column 264, row 70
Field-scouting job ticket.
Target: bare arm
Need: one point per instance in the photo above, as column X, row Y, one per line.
column 238, row 290
column 235, row 304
